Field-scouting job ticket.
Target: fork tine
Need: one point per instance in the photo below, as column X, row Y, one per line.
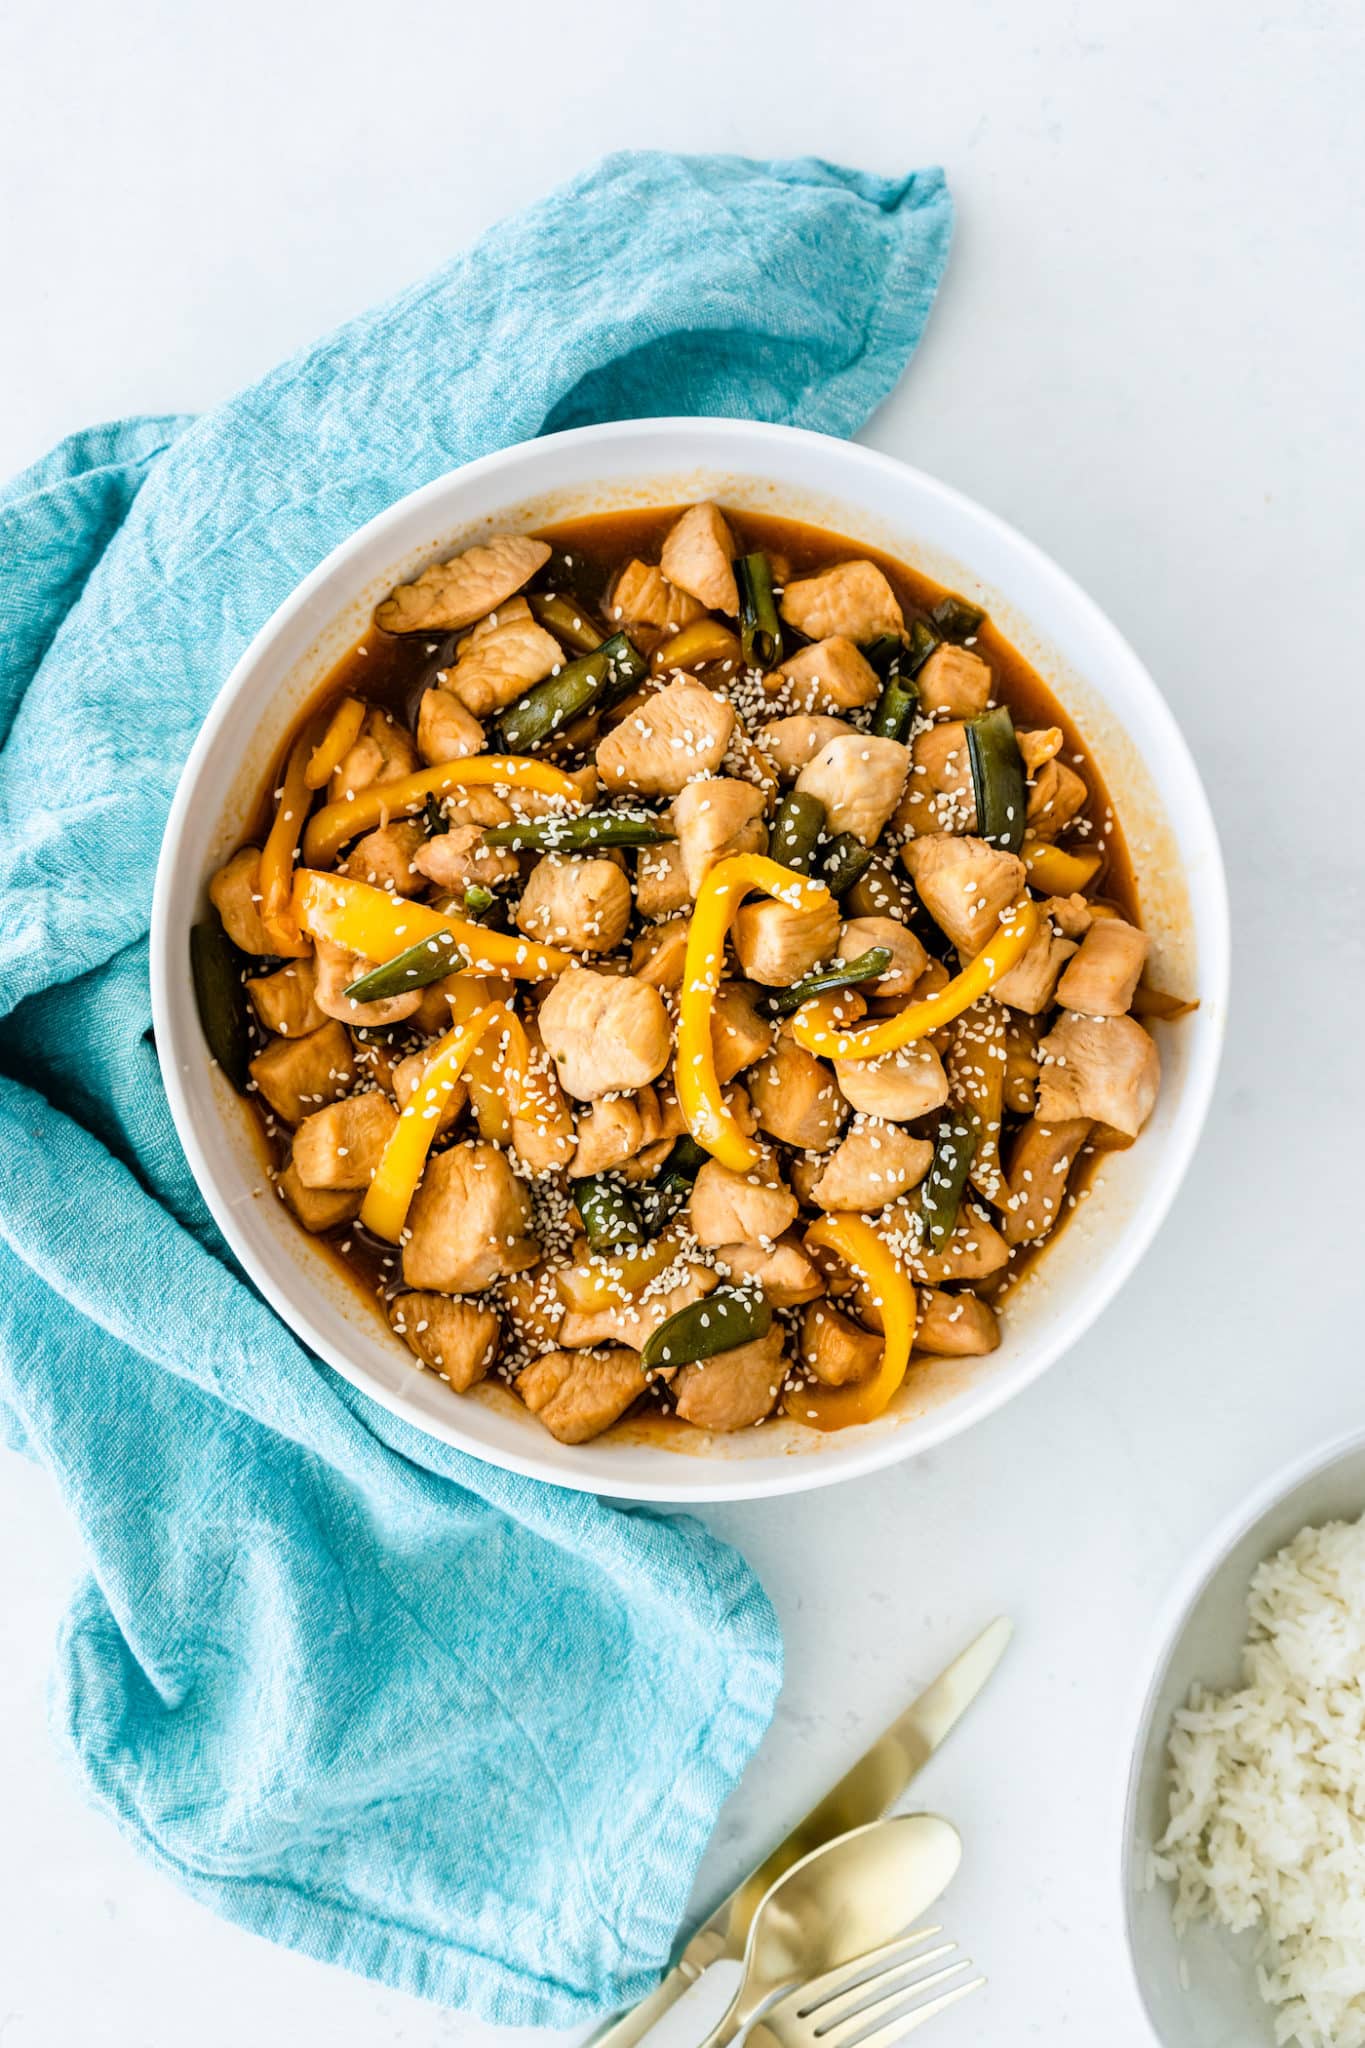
column 909, row 2022
column 873, row 1963
column 852, row 2028
column 897, row 1982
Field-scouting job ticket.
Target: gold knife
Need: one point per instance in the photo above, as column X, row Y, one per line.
column 875, row 1782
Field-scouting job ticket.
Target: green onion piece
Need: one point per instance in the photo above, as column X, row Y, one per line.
column 216, row 966
column 570, row 622
column 434, row 818
column 429, row 960
column 846, row 860
column 955, row 618
column 997, row 778
column 575, row 834
column 797, row 827
column 718, row 1322
column 866, row 967
column 610, row 1218
column 536, row 718
column 760, row 629
column 942, row 1188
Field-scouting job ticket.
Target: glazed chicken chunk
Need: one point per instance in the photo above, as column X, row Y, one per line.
column 457, row 1339
column 605, row 1032
column 853, row 599
column 295, row 1075
column 578, row 1394
column 795, row 1098
column 470, row 1222
column 697, row 555
column 777, row 942
column 452, row 594
column 790, row 742
column 859, row 781
column 830, row 676
column 1106, row 1069
column 501, row 659
column 340, row 1146
column 736, row 1388
column 964, row 885
column 644, row 598
column 680, row 732
column 873, row 1165
column 954, row 683
column 284, row 1000
column 714, row 819
column 1102, row 979
column 739, row 1208
column 445, row 730
column 582, row 905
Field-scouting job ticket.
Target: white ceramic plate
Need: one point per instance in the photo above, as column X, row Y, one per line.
column 835, row 484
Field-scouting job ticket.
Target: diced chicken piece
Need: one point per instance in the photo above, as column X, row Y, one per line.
column 1021, row 1064
column 533, row 1311
column 859, row 781
column 584, row 905
column 939, row 793
column 660, row 880
column 445, row 730
column 336, row 970
column 975, row 1251
column 284, row 1000
column 785, row 1271
column 501, row 659
column 613, row 1132
column 955, row 1325
column 643, row 598
column 453, row 594
column 714, row 819
column 1039, row 745
column 853, row 599
column 544, row 1139
column 295, row 1075
column 740, row 1208
column 778, row 943
column 657, row 955
column 407, row 1079
column 1056, row 796
column 1105, row 1069
column 478, row 807
column 432, row 1015
column 534, row 803
column 318, row 1209
column 454, row 859
column 964, row 885
column 875, row 1164
column 680, row 732
column 384, row 858
column 605, row 1032
column 696, row 556
column 790, row 742
column 1072, row 915
column 899, row 1086
column 457, row 1339
column 340, row 1146
column 1102, row 979
column 578, row 1394
column 634, row 1322
column 1040, row 1158
column 736, row 1388
column 830, row 676
column 383, row 753
column 1031, row 984
column 908, row 957
column 470, row 1221
column 235, row 893
column 795, row 1099
column 837, row 1350
column 954, row 683
column 738, row 1033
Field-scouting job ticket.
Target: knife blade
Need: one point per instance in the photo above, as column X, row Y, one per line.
column 864, row 1793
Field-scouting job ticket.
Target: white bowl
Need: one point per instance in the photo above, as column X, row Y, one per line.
column 1199, row 1991
column 881, row 502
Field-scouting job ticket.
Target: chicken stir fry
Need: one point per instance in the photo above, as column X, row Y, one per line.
column 669, row 977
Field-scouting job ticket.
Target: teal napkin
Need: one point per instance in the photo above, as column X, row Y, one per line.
column 464, row 1733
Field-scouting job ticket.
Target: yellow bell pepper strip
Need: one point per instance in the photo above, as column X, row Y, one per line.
column 594, row 1283
column 281, row 850
column 1057, row 872
column 721, row 893
column 389, row 1196
column 468, row 995
column 813, row 1027
column 379, row 926
column 336, row 743
column 330, row 829
column 853, row 1240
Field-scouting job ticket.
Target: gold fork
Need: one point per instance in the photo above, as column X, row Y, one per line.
column 849, row 2004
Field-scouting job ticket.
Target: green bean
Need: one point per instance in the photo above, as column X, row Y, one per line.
column 997, row 778
column 536, row 718
column 429, row 960
column 866, row 967
column 719, row 1322
column 876, row 893
column 920, row 642
column 610, row 1218
column 661, row 1200
column 884, row 654
column 570, row 622
column 942, row 1188
column 576, row 834
column 846, row 860
column 760, row 629
column 216, row 966
column 895, row 709
column 434, row 818
column 797, row 827
column 955, row 618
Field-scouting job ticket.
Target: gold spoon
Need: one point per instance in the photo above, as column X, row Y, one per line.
column 850, row 1895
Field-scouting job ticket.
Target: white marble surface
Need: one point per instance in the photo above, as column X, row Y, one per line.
column 1147, row 354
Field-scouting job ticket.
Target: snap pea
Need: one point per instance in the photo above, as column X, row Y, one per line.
column 429, row 960
column 943, row 1186
column 760, row 629
column 997, row 778
column 216, row 967
column 718, row 1322
column 593, row 681
column 846, row 861
column 610, row 1218
column 570, row 622
column 565, row 834
column 797, row 827
column 866, row 967
column 955, row 618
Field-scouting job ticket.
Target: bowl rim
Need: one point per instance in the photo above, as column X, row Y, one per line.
column 1190, row 1584
column 696, row 1481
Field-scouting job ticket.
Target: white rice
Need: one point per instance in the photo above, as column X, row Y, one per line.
column 1267, row 1826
